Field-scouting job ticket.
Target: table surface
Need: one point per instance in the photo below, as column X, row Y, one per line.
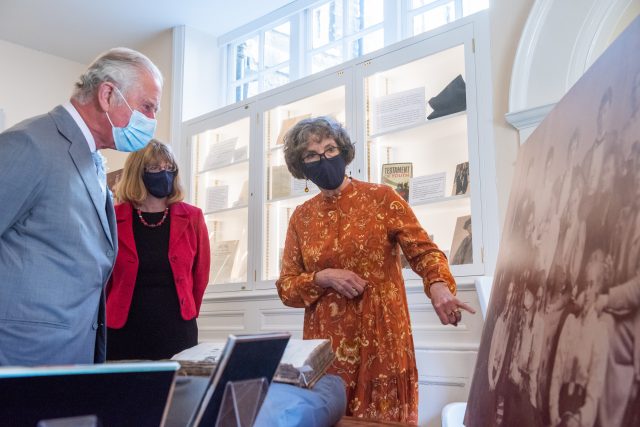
column 360, row 422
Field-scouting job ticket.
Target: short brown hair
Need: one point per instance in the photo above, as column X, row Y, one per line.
column 131, row 188
column 298, row 137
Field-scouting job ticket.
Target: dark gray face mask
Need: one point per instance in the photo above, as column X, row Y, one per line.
column 327, row 174
column 159, row 184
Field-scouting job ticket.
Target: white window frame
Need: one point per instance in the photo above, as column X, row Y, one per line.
column 262, row 71
column 397, row 25
column 408, row 13
column 345, row 41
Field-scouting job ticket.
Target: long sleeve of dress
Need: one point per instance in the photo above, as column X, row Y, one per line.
column 296, row 287
column 362, row 229
column 423, row 255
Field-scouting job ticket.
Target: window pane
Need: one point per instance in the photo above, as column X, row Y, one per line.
column 326, row 23
column 365, row 13
column 470, row 7
column 417, row 3
column 368, row 43
column 328, row 58
column 246, row 90
column 434, row 18
column 276, row 78
column 276, row 45
column 247, row 57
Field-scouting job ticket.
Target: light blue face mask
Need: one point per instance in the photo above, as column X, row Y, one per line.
column 137, row 134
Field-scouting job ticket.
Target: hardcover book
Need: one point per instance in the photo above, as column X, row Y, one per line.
column 397, row 176
column 302, row 364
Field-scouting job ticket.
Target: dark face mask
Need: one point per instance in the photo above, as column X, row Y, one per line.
column 159, row 184
column 327, row 174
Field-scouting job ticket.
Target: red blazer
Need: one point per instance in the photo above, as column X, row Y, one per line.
column 188, row 255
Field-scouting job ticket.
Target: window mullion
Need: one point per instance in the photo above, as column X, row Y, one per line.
column 346, row 50
column 392, row 21
column 458, row 9
column 296, row 47
column 230, row 77
column 261, row 67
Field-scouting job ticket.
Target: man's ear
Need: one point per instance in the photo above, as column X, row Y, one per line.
column 105, row 92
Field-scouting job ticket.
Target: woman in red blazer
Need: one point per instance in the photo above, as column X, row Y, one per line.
column 162, row 266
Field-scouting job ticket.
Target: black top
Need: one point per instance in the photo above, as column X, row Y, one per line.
column 152, row 245
column 155, row 328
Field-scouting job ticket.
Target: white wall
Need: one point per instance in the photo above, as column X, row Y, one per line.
column 507, row 21
column 202, row 74
column 32, row 82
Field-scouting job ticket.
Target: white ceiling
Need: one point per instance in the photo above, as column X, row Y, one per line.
column 80, row 29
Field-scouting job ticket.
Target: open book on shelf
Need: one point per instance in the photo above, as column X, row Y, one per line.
column 303, row 362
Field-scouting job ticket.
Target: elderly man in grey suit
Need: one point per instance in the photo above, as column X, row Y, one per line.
column 57, row 224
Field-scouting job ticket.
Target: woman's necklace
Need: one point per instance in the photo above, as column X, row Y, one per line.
column 158, row 224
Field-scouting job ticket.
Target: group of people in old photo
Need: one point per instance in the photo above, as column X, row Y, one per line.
column 562, row 347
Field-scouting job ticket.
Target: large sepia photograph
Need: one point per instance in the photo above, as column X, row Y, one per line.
column 560, row 346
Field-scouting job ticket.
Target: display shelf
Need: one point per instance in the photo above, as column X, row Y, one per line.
column 429, row 126
column 398, row 88
column 234, row 164
column 282, row 193
column 443, row 203
column 292, row 201
column 355, row 94
column 227, row 211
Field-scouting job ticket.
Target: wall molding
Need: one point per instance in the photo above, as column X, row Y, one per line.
column 445, row 346
column 526, row 121
column 544, row 70
column 428, row 380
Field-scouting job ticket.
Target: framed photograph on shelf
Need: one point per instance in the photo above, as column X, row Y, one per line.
column 397, row 176
column 461, row 246
column 461, row 180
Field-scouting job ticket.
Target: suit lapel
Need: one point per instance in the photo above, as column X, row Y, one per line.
column 81, row 156
column 125, row 228
column 179, row 223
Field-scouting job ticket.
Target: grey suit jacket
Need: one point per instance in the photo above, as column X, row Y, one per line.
column 57, row 245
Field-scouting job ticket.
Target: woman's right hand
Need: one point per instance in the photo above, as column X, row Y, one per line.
column 345, row 282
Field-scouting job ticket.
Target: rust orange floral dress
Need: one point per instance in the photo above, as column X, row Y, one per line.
column 362, row 230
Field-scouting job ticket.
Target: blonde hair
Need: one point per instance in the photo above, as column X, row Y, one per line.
column 130, row 188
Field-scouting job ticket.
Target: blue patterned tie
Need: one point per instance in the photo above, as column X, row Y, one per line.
column 98, row 160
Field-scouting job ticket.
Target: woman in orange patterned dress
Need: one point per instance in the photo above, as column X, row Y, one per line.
column 341, row 263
